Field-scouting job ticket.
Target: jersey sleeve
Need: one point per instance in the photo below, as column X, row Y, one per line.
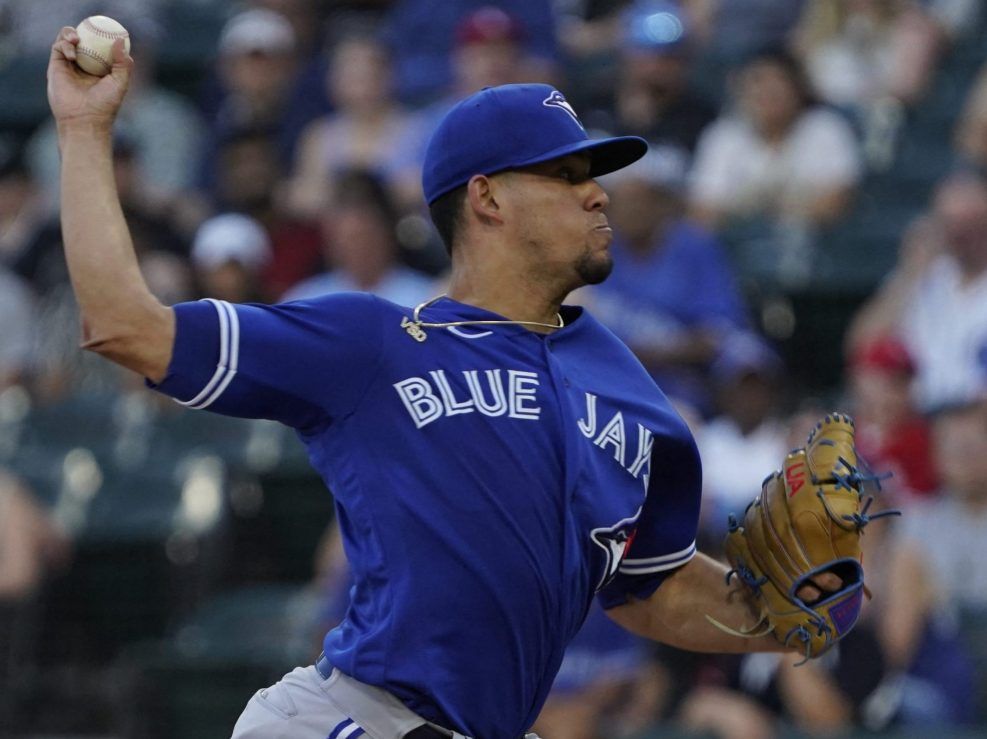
column 665, row 538
column 304, row 363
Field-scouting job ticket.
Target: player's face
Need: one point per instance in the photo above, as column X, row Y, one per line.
column 560, row 221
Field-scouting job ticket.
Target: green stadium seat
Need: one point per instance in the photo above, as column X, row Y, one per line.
column 148, row 545
column 23, row 92
column 973, row 627
column 196, row 683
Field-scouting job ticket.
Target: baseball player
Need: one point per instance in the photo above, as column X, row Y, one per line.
column 498, row 459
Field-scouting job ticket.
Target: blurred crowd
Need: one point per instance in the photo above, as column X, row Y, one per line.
column 289, row 168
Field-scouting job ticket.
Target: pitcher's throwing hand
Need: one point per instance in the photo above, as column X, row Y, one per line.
column 78, row 97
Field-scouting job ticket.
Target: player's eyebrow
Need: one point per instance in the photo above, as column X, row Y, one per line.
column 576, row 164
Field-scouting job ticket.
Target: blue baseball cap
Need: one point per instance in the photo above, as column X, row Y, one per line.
column 512, row 126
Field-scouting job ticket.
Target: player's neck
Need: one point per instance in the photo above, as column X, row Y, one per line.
column 514, row 299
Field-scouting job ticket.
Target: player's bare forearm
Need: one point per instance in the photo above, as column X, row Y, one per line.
column 121, row 318
column 676, row 613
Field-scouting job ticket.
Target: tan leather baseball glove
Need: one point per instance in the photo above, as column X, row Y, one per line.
column 807, row 521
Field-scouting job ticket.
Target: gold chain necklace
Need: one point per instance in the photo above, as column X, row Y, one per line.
column 416, row 324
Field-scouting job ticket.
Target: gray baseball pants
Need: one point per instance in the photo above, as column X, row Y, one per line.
column 304, row 705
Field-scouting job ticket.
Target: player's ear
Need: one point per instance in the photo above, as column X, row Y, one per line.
column 482, row 197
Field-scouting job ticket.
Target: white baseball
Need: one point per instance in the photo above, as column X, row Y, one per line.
column 94, row 54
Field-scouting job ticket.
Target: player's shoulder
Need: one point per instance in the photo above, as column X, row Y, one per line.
column 343, row 303
column 356, row 311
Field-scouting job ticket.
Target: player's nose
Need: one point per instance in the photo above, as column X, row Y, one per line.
column 597, row 198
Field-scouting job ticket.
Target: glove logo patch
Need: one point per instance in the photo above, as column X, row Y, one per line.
column 845, row 614
column 795, row 478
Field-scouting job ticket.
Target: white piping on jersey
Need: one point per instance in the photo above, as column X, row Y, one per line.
column 349, row 731
column 229, row 354
column 459, row 332
column 658, row 564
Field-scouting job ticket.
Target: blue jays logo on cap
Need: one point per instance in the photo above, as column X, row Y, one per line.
column 514, row 126
column 557, row 100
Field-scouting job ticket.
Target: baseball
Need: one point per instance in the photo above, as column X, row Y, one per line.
column 94, row 54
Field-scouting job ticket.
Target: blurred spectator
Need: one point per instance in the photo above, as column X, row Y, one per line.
column 935, row 300
column 361, row 250
column 950, row 531
column 28, row 26
column 672, row 296
column 858, row 52
column 166, row 132
column 30, row 542
column 739, row 28
column 421, row 35
column 778, row 155
column 155, row 223
column 368, row 130
column 249, row 176
column 955, row 18
column 229, row 254
column 255, row 68
column 24, row 222
column 317, row 27
column 764, row 692
column 746, row 439
column 934, row 576
column 22, row 209
column 305, row 17
column 17, row 329
column 604, row 687
column 871, row 59
column 151, row 220
column 971, row 130
column 31, row 546
column 891, row 435
column 169, row 276
column 652, row 96
column 489, row 50
column 588, row 30
column 60, row 366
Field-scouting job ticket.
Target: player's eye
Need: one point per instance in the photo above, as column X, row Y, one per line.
column 572, row 175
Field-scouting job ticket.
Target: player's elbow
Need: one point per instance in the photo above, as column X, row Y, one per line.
column 140, row 340
column 635, row 616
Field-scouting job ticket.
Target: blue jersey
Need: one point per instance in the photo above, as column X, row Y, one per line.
column 488, row 480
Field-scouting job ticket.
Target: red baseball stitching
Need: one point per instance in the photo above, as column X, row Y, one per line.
column 85, row 50
column 111, row 35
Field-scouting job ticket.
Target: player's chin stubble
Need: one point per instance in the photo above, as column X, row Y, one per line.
column 594, row 268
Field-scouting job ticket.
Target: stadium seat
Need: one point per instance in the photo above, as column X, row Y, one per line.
column 195, row 683
column 973, row 627
column 23, row 92
column 148, row 545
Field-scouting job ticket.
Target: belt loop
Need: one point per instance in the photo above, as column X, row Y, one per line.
column 323, row 666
